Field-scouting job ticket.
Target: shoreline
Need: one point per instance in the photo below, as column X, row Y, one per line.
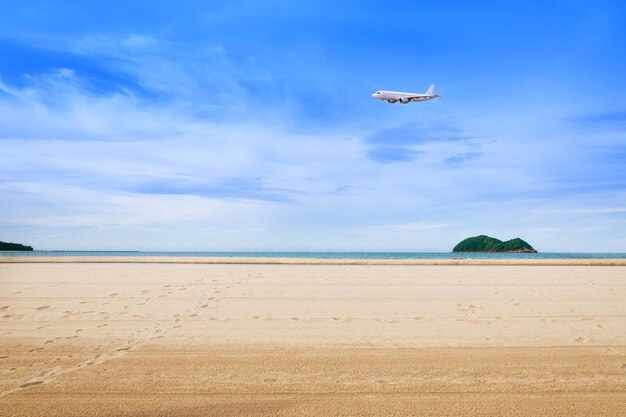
column 205, row 260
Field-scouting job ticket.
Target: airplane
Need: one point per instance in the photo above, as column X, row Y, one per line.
column 394, row 96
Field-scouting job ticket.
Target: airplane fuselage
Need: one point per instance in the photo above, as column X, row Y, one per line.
column 404, row 97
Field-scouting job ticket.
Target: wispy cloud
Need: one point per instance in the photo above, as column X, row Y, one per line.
column 415, row 135
column 607, row 117
column 462, row 158
column 232, row 188
column 406, row 143
column 386, row 155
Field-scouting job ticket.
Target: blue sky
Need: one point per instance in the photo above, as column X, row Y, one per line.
column 248, row 125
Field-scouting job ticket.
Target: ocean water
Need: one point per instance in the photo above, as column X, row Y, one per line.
column 331, row 255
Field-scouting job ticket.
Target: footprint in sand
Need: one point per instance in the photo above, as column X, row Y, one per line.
column 30, row 384
column 582, row 339
column 114, row 294
column 468, row 307
column 93, row 361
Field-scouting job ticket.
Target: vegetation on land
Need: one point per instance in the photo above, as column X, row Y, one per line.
column 484, row 243
column 14, row 246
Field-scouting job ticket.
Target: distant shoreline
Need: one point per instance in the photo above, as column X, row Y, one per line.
column 204, row 260
column 337, row 256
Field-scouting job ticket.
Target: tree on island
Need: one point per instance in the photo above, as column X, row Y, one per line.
column 484, row 243
column 14, row 246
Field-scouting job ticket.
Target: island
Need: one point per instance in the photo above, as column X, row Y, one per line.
column 14, row 246
column 484, row 243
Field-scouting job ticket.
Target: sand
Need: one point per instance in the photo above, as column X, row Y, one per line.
column 267, row 337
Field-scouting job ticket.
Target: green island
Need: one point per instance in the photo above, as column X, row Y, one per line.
column 484, row 243
column 14, row 246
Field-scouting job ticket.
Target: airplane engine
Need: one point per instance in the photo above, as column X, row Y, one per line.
column 404, row 100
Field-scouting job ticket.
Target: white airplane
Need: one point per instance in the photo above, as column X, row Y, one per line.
column 393, row 96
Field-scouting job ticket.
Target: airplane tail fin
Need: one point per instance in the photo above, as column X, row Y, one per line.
column 431, row 90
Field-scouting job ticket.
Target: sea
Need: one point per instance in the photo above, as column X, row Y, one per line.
column 327, row 255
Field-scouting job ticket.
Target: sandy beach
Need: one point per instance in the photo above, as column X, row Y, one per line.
column 195, row 336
